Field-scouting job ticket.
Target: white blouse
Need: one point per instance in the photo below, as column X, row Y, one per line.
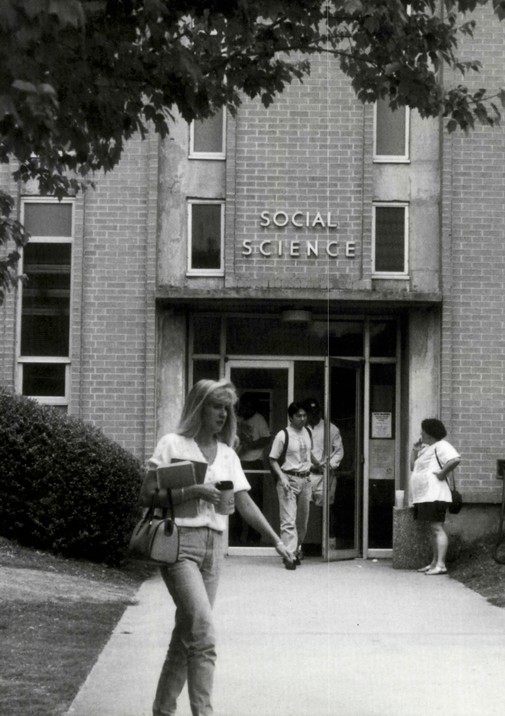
column 226, row 466
column 426, row 487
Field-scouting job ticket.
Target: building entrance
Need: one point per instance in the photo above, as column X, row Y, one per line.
column 335, row 526
column 275, row 362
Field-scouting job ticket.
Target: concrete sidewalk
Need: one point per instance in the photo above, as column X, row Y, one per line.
column 352, row 638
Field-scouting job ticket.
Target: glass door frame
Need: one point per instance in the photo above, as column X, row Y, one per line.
column 260, row 364
column 266, row 364
column 329, row 555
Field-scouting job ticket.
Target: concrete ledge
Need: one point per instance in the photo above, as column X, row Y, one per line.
column 411, row 541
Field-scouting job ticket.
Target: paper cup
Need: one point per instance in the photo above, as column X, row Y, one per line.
column 226, row 505
column 399, row 499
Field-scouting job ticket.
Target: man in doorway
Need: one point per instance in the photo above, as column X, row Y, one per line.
column 254, row 436
column 318, row 471
column 290, row 460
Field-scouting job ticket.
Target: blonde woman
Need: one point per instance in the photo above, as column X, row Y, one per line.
column 206, row 433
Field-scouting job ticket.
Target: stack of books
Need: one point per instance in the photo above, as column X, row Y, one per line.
column 178, row 474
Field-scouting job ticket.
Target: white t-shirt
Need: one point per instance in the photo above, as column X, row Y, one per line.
column 299, row 447
column 337, row 449
column 226, row 466
column 426, row 487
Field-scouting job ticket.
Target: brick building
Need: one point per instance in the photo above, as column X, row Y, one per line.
column 317, row 248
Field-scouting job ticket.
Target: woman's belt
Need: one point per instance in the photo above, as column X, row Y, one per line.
column 297, row 473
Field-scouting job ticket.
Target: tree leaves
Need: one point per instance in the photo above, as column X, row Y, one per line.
column 80, row 77
column 11, row 231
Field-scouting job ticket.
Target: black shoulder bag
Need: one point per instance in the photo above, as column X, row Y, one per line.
column 457, row 500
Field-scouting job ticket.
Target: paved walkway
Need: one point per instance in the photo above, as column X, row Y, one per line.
column 352, row 638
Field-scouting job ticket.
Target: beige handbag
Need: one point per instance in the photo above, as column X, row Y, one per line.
column 155, row 539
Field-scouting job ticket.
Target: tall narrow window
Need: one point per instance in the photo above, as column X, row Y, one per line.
column 390, row 240
column 207, row 137
column 391, row 136
column 205, row 232
column 44, row 335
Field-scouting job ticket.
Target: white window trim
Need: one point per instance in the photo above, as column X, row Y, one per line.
column 20, row 359
column 204, row 272
column 45, row 399
column 392, row 158
column 392, row 274
column 219, row 156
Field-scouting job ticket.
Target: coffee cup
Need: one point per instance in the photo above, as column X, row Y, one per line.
column 399, row 499
column 226, row 505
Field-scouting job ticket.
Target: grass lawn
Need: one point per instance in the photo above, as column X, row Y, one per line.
column 56, row 615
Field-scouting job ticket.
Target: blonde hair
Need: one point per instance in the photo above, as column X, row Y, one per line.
column 191, row 417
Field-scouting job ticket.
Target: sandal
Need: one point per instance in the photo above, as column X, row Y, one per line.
column 436, row 570
column 425, row 569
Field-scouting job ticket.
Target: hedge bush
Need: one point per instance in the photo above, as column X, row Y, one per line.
column 64, row 486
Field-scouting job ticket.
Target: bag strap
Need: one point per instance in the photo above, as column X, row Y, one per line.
column 169, row 518
column 446, row 477
column 166, row 512
column 282, row 456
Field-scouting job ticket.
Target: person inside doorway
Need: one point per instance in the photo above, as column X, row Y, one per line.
column 317, row 427
column 290, row 460
column 254, row 435
column 431, row 460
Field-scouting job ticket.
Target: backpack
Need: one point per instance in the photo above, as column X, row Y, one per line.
column 282, row 457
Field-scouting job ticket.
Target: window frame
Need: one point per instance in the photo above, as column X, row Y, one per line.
column 217, row 156
column 21, row 360
column 190, row 271
column 392, row 158
column 391, row 205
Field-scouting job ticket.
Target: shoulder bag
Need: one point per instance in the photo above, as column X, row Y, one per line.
column 155, row 539
column 457, row 500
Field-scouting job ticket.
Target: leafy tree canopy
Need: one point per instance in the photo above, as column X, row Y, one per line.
column 80, row 77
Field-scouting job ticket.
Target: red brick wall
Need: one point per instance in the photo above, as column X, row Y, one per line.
column 8, row 309
column 473, row 337
column 304, row 153
column 117, row 311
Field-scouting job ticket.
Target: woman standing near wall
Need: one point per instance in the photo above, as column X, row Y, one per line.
column 431, row 460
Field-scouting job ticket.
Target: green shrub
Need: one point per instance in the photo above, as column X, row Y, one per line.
column 64, row 486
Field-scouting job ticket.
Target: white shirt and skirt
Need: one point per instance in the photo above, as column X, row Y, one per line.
column 431, row 496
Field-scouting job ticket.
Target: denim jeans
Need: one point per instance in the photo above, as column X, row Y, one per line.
column 294, row 505
column 192, row 582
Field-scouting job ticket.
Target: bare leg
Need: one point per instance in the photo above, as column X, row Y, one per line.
column 440, row 543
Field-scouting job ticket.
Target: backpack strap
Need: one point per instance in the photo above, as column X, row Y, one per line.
column 282, row 456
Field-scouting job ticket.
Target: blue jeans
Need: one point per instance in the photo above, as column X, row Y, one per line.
column 192, row 582
column 294, row 506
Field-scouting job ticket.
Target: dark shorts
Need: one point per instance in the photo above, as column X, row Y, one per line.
column 430, row 511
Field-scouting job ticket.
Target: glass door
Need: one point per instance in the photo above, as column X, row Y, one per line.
column 342, row 516
column 265, row 389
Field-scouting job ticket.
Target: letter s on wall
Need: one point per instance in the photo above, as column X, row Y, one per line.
column 265, row 218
